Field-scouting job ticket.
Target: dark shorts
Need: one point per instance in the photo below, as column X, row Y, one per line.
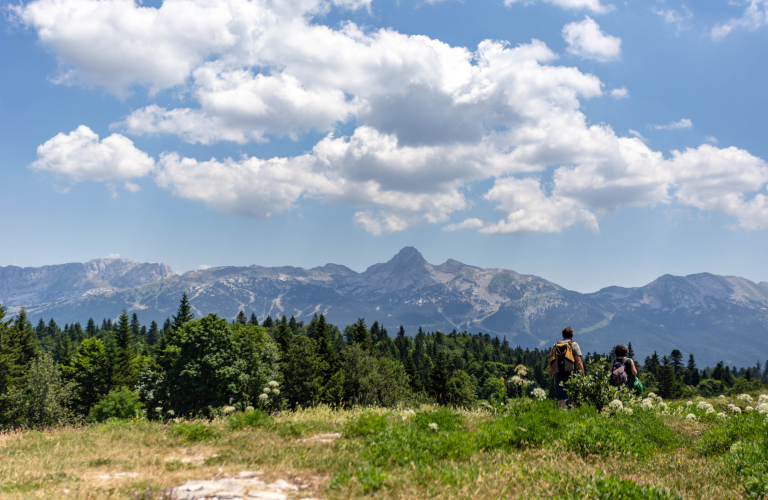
column 561, row 394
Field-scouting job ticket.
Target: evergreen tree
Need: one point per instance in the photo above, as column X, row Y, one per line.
column 325, row 348
column 23, row 337
column 143, row 333
column 402, row 344
column 167, row 325
column 254, row 320
column 91, row 371
column 668, row 384
column 293, row 325
column 53, row 330
column 438, row 378
column 123, row 374
column 7, row 355
column 652, row 364
column 283, row 336
column 676, row 359
column 268, row 323
column 362, row 336
column 375, row 333
column 413, row 375
column 41, row 329
column 692, row 375
column 135, row 327
column 630, row 351
column 91, row 330
column 153, row 334
column 184, row 313
column 240, row 318
column 303, row 371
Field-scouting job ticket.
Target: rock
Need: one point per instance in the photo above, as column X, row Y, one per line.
column 245, row 486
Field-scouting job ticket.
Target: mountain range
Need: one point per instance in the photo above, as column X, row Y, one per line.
column 714, row 317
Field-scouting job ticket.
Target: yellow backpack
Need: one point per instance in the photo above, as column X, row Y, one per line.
column 562, row 360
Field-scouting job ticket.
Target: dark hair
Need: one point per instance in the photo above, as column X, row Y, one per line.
column 567, row 332
column 620, row 351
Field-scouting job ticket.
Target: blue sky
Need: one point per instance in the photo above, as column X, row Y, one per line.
column 535, row 136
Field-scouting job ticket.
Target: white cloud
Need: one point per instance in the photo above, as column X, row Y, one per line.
column 585, row 40
column 80, row 156
column 431, row 120
column 113, row 256
column 755, row 16
column 621, row 93
column 711, row 139
column 671, row 16
column 203, row 267
column 637, row 134
column 130, row 186
column 592, row 5
column 684, row 123
column 472, row 223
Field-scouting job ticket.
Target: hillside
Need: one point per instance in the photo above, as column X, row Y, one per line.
column 716, row 317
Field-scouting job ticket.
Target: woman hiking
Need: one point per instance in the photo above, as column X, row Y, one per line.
column 623, row 370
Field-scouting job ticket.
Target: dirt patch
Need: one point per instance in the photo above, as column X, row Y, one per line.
column 246, row 485
column 321, row 438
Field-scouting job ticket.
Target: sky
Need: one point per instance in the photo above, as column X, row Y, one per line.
column 590, row 142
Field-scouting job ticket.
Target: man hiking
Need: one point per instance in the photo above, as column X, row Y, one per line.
column 565, row 359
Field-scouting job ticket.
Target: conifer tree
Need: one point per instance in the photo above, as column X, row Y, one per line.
column 153, row 333
column 668, row 385
column 325, row 348
column 135, row 327
column 630, row 351
column 413, row 375
column 375, row 333
column 240, row 318
column 402, row 344
column 184, row 314
column 167, row 325
column 283, row 336
column 438, row 379
column 293, row 325
column 361, row 335
column 123, row 353
column 268, row 323
column 23, row 336
column 254, row 320
column 41, row 329
column 90, row 329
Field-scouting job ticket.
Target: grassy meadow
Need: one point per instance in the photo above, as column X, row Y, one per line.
column 529, row 449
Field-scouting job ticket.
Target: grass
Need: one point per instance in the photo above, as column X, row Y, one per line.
column 536, row 451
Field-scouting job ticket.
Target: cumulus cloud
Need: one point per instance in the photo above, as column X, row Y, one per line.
column 755, row 16
column 430, row 120
column 621, row 93
column 585, row 40
column 592, row 5
column 81, row 156
column 684, row 123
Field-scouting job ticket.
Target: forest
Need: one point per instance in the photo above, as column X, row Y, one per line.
column 51, row 375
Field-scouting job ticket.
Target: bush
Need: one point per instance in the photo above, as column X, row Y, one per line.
column 594, row 389
column 254, row 419
column 710, row 387
column 193, row 432
column 614, row 488
column 119, row 403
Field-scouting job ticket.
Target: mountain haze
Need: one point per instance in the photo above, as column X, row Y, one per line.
column 715, row 317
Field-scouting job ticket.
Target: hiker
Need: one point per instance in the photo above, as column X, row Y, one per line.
column 623, row 370
column 565, row 359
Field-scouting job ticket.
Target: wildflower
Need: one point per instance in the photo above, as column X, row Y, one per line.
column 689, row 404
column 763, row 398
column 732, row 408
column 749, row 408
column 722, row 416
column 710, row 410
column 276, row 391
column 762, row 408
column 433, row 426
column 228, row 409
column 263, row 397
column 628, row 410
column 266, row 390
column 721, row 397
column 702, row 405
column 521, row 370
column 170, row 413
column 615, row 405
column 647, row 404
column 736, row 446
column 744, row 397
column 159, row 409
column 539, row 394
column 690, row 417
column 272, row 383
column 249, row 408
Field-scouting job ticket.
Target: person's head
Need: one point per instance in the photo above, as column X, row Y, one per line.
column 567, row 332
column 621, row 351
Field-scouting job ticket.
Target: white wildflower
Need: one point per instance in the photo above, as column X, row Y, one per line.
column 689, row 404
column 159, row 409
column 539, row 394
column 249, row 408
column 170, row 413
column 628, row 410
column 615, row 405
column 433, row 426
column 732, row 408
column 762, row 408
column 721, row 397
column 763, row 398
column 710, row 410
column 273, row 383
column 263, row 397
column 744, row 397
column 521, row 370
column 722, row 416
column 702, row 405
column 228, row 410
column 276, row 391
column 749, row 408
column 736, row 446
column 647, row 404
column 663, row 406
column 266, row 390
column 691, row 417
column 516, row 380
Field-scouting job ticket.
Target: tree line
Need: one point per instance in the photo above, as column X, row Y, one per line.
column 50, row 374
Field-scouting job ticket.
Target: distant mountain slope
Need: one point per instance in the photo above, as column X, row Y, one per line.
column 715, row 317
column 37, row 285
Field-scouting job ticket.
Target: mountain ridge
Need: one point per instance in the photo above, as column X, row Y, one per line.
column 716, row 317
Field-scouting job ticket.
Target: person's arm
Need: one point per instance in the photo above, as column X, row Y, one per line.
column 634, row 370
column 580, row 365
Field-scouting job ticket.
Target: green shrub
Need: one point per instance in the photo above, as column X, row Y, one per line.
column 254, row 419
column 613, row 488
column 119, row 403
column 719, row 439
column 193, row 432
column 365, row 425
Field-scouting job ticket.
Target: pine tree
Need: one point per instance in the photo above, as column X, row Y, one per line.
column 375, row 333
column 668, row 384
column 23, row 336
column 153, row 334
column 167, row 325
column 254, row 320
column 293, row 325
column 413, row 375
column 135, row 327
column 240, row 318
column 91, row 329
column 676, row 359
column 361, row 335
column 438, row 379
column 268, row 323
column 630, row 351
column 184, row 314
column 283, row 336
column 122, row 372
column 402, row 344
column 692, row 375
column 325, row 348
column 41, row 329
